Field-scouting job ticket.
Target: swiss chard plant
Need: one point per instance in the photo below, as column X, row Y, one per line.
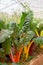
column 16, row 39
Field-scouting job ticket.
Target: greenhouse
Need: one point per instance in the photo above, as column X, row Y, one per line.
column 21, row 32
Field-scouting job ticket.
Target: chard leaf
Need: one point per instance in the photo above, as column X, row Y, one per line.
column 38, row 40
column 24, row 14
column 27, row 20
column 40, row 25
column 12, row 25
column 27, row 37
column 5, row 33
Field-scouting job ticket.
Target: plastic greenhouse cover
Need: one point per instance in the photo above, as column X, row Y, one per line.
column 9, row 6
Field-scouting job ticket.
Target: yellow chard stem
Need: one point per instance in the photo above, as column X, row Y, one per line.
column 41, row 33
column 26, row 49
column 37, row 33
column 27, row 54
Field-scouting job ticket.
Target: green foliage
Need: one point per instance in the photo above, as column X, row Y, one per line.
column 2, row 24
column 12, row 25
column 7, row 46
column 1, row 52
column 38, row 40
column 40, row 25
column 27, row 21
column 4, row 34
column 33, row 24
column 29, row 35
column 8, row 36
column 26, row 25
column 24, row 14
column 36, row 24
column 30, row 15
column 26, row 28
column 12, row 33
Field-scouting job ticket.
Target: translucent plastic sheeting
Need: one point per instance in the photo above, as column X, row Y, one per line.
column 11, row 6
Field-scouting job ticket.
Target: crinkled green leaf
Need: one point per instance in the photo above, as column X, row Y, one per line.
column 33, row 24
column 40, row 25
column 27, row 37
column 12, row 25
column 25, row 25
column 5, row 33
column 30, row 15
column 38, row 40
